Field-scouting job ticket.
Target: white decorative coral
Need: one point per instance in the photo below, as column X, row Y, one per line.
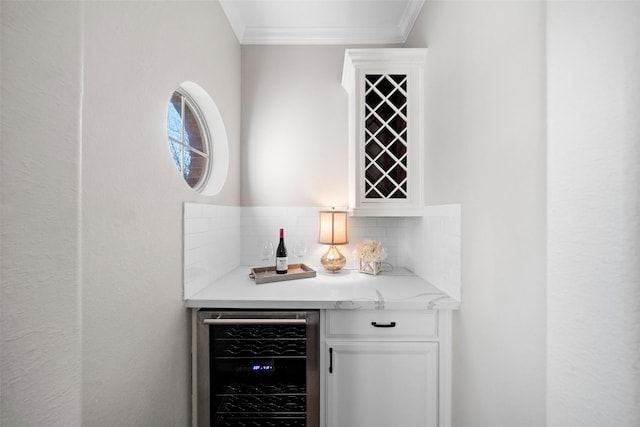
column 370, row 251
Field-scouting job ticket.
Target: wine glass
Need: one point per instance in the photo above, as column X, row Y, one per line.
column 299, row 249
column 266, row 252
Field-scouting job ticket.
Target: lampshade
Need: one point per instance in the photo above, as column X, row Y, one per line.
column 333, row 228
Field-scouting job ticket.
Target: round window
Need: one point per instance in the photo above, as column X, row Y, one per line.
column 197, row 139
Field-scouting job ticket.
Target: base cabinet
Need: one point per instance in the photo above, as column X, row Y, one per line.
column 378, row 368
column 386, row 368
column 382, row 384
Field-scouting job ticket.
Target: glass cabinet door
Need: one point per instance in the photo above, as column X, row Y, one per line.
column 386, row 115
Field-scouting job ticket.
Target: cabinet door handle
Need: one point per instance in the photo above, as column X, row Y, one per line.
column 330, row 360
column 383, row 325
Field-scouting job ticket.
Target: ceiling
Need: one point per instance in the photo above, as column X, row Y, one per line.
column 327, row 22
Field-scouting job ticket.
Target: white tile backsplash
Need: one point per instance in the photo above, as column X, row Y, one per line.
column 217, row 239
column 434, row 248
column 211, row 242
column 262, row 224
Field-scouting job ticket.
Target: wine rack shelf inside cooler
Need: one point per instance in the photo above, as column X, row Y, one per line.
column 262, row 403
column 248, row 420
column 264, row 332
column 264, row 388
column 259, row 375
column 262, row 348
column 261, row 341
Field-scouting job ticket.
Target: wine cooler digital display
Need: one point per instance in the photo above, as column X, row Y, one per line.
column 261, row 369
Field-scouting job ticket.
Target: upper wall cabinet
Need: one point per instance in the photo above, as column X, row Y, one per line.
column 386, row 131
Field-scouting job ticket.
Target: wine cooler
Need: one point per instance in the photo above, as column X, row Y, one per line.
column 258, row 368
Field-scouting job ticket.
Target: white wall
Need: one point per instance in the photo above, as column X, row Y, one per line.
column 593, row 214
column 93, row 323
column 294, row 126
column 40, row 212
column 136, row 54
column 485, row 148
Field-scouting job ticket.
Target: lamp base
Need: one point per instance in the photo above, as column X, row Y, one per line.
column 333, row 260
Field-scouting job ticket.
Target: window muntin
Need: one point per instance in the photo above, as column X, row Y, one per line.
column 189, row 139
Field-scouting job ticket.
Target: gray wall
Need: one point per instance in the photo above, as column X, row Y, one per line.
column 94, row 330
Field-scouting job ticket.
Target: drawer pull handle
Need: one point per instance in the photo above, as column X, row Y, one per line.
column 331, row 360
column 383, row 325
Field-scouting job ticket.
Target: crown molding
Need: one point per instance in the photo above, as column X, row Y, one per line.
column 366, row 28
column 321, row 36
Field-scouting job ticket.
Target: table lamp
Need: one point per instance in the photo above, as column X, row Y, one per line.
column 333, row 231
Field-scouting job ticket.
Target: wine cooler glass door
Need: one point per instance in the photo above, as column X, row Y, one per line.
column 258, row 369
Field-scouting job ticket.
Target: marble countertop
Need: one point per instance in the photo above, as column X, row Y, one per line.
column 347, row 289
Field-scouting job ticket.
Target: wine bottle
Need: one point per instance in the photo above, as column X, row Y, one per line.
column 282, row 263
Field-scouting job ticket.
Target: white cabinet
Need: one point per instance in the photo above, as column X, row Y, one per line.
column 386, row 131
column 386, row 368
column 382, row 384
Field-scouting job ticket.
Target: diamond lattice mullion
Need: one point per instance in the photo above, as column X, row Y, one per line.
column 387, row 112
column 373, row 193
column 372, row 150
column 399, row 79
column 386, row 187
column 374, row 175
column 374, row 160
column 399, row 115
column 385, row 136
column 375, row 79
column 398, row 173
column 371, row 190
column 401, row 85
column 386, row 99
column 384, row 85
column 383, row 184
column 391, row 86
column 399, row 149
column 399, row 107
column 397, row 190
column 390, row 160
column 371, row 92
column 386, row 126
column 373, row 125
column 373, row 100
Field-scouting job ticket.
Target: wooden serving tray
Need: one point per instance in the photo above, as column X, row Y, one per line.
column 268, row 274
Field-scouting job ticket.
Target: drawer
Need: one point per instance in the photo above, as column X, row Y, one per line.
column 381, row 324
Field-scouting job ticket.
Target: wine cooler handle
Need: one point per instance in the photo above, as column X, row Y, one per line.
column 383, row 325
column 330, row 360
column 255, row 321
